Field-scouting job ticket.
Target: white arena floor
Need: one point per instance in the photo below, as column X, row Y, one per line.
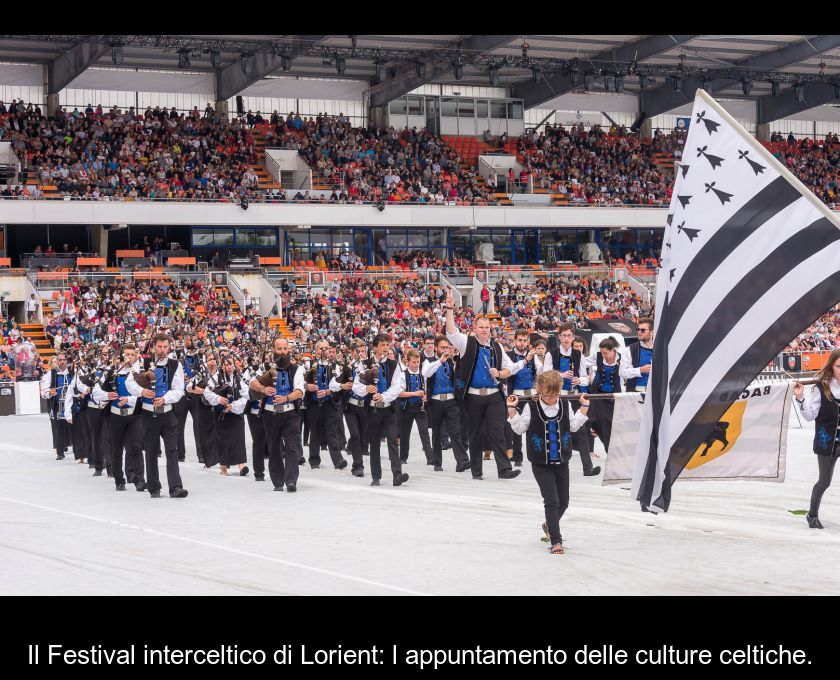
column 65, row 532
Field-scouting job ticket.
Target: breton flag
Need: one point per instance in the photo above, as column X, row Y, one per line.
column 750, row 258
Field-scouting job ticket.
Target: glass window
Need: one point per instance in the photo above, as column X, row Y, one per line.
column 515, row 110
column 223, row 237
column 266, row 237
column 498, row 109
column 466, row 108
column 418, row 239
column 415, row 106
column 397, row 106
column 396, row 238
column 246, row 237
column 202, row 238
column 447, row 107
column 481, row 108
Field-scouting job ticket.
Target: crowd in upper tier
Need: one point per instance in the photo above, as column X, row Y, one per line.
column 157, row 153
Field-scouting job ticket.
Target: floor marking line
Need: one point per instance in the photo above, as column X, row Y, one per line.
column 237, row 551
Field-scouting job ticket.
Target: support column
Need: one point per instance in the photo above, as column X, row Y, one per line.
column 221, row 109
column 646, row 131
column 53, row 105
column 98, row 239
column 378, row 115
column 762, row 132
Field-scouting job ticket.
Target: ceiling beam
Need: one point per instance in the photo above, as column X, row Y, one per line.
column 66, row 67
column 406, row 78
column 231, row 80
column 559, row 84
column 786, row 104
column 664, row 98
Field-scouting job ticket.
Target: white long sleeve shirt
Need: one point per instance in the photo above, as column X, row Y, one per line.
column 810, row 408
column 624, row 369
column 334, row 385
column 101, row 395
column 172, row 396
column 548, row 364
column 520, row 422
column 627, row 360
column 459, row 342
column 237, row 407
column 389, row 395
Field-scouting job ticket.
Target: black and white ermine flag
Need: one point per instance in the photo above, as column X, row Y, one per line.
column 750, row 258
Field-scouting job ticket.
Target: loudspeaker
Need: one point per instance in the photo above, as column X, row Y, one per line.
column 240, row 106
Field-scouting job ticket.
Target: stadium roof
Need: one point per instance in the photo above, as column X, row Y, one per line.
column 537, row 68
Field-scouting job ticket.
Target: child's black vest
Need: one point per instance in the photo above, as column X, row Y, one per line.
column 549, row 440
column 412, row 384
column 826, row 429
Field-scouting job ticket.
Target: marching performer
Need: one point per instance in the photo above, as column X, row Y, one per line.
column 205, row 379
column 823, row 406
column 254, row 412
column 443, row 407
column 382, row 417
column 637, row 357
column 413, row 406
column 321, row 408
column 231, row 395
column 549, row 423
column 281, row 419
column 522, row 384
column 75, row 411
column 482, row 366
column 54, row 384
column 355, row 412
column 189, row 404
column 608, row 373
column 166, row 387
column 123, row 421
column 567, row 359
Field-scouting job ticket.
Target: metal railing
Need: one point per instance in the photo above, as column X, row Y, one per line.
column 531, row 275
column 52, row 281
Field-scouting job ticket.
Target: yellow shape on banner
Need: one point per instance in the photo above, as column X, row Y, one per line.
column 722, row 438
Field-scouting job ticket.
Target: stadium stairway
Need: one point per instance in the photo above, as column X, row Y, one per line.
column 279, row 324
column 264, row 177
column 36, row 333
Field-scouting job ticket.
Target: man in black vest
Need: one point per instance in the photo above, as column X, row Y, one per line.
column 412, row 404
column 159, row 420
column 382, row 417
column 637, row 357
column 54, row 386
column 123, row 422
column 429, row 356
column 443, row 407
column 482, row 366
column 355, row 413
column 322, row 409
column 281, row 420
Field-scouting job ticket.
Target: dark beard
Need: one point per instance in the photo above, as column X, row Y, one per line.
column 282, row 361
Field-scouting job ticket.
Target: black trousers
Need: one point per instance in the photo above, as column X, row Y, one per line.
column 100, row 437
column 207, row 435
column 181, row 410
column 163, row 426
column 258, row 450
column 486, row 418
column 553, row 481
column 408, row 416
column 80, row 434
column 513, row 441
column 341, row 407
column 582, row 442
column 282, row 436
column 826, row 466
column 323, row 424
column 125, row 435
column 60, row 434
column 193, row 406
column 446, row 415
column 383, row 421
column 601, row 415
column 356, row 417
